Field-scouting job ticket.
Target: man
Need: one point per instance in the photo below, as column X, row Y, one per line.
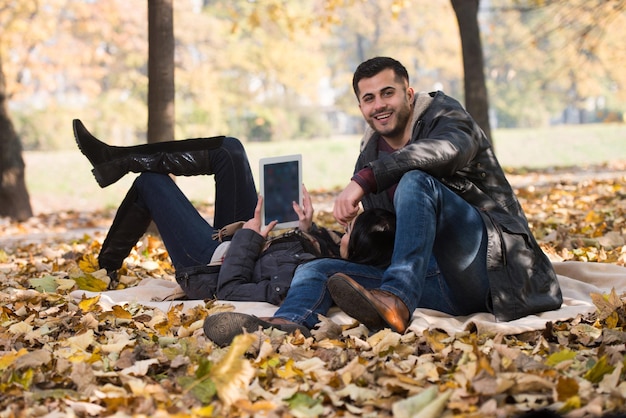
column 463, row 244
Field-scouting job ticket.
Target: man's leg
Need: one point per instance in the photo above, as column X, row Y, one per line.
column 308, row 295
column 434, row 220
column 307, row 298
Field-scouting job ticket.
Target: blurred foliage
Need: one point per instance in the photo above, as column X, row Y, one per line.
column 276, row 69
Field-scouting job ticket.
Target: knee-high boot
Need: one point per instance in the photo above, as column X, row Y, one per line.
column 130, row 223
column 110, row 163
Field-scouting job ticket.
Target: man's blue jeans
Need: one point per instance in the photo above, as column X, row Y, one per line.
column 185, row 233
column 439, row 259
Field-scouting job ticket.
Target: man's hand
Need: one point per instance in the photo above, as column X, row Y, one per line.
column 347, row 203
column 255, row 223
column 305, row 213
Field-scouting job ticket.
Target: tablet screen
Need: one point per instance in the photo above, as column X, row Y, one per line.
column 281, row 184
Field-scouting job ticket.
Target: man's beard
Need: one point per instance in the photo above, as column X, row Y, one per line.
column 402, row 115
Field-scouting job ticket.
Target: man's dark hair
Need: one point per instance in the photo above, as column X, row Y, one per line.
column 373, row 66
column 372, row 238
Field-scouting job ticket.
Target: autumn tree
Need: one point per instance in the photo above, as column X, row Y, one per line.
column 14, row 198
column 544, row 57
column 417, row 37
column 476, row 97
column 160, row 70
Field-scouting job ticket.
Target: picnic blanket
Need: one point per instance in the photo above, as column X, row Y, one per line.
column 578, row 281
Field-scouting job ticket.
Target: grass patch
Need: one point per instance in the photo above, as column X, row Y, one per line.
column 63, row 180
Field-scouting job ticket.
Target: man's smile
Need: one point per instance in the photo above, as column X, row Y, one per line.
column 383, row 116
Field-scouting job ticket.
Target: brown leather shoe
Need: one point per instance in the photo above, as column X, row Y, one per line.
column 376, row 309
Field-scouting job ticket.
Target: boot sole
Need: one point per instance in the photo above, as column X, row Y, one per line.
column 222, row 328
column 355, row 303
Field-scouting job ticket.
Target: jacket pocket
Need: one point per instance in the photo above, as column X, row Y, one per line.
column 198, row 282
column 522, row 280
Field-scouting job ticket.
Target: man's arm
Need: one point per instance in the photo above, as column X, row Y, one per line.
column 347, row 203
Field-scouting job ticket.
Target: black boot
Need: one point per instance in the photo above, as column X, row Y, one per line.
column 110, row 163
column 129, row 225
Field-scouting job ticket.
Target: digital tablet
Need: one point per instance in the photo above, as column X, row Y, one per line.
column 281, row 185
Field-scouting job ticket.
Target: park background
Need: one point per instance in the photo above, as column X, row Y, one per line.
column 277, row 75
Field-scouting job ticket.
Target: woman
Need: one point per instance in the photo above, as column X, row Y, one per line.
column 249, row 267
column 368, row 241
column 256, row 268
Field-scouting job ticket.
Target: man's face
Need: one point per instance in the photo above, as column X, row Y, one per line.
column 386, row 104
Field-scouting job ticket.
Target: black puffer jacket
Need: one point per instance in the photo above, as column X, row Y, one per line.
column 449, row 145
column 258, row 270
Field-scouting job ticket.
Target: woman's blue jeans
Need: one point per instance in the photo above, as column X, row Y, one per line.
column 439, row 259
column 185, row 233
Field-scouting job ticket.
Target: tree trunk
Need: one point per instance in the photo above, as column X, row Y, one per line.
column 476, row 99
column 14, row 198
column 160, row 70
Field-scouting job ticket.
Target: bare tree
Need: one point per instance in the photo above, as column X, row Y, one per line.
column 160, row 70
column 14, row 198
column 476, row 99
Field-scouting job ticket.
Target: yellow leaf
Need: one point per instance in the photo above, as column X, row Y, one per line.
column 612, row 320
column 87, row 305
column 88, row 263
column 121, row 313
column 593, row 217
column 205, row 411
column 571, row 404
column 91, row 283
column 597, row 372
column 163, row 327
column 434, row 339
column 289, row 370
column 566, row 387
column 261, row 407
column 8, row 359
column 233, row 373
column 560, row 356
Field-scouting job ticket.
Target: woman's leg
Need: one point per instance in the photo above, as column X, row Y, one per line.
column 235, row 192
column 185, row 233
column 130, row 223
column 224, row 157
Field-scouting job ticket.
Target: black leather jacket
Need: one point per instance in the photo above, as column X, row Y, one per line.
column 448, row 144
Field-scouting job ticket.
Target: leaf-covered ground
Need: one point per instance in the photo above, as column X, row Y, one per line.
column 61, row 357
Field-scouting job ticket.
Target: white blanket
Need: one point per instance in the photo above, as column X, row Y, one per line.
column 577, row 279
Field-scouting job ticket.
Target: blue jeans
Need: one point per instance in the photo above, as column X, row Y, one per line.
column 439, row 259
column 185, row 233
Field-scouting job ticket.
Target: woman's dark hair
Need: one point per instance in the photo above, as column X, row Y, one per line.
column 372, row 237
column 373, row 66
